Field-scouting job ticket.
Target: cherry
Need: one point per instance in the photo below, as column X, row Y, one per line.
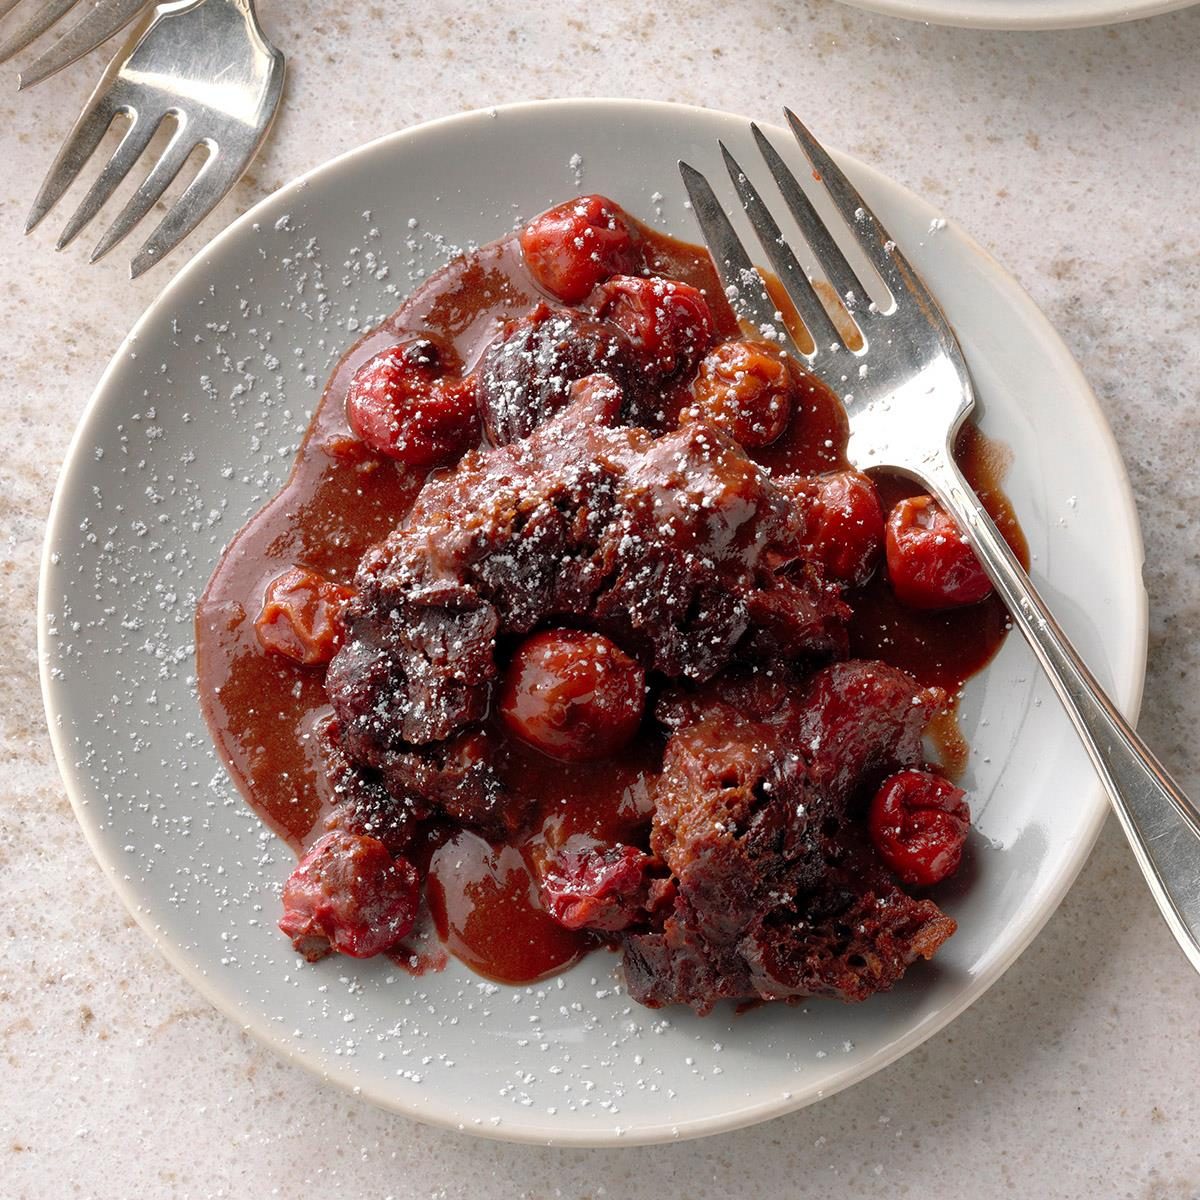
column 572, row 695
column 844, row 525
column 918, row 822
column 301, row 616
column 348, row 894
column 930, row 563
column 746, row 389
column 669, row 324
column 591, row 886
column 571, row 248
column 402, row 405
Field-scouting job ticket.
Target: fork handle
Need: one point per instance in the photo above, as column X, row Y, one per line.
column 1162, row 824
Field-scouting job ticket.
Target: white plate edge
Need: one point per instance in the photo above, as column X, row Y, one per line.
column 1025, row 15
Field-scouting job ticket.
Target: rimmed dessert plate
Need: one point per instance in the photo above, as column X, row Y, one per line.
column 195, row 423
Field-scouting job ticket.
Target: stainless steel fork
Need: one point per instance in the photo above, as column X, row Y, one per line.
column 206, row 65
column 102, row 19
column 907, row 391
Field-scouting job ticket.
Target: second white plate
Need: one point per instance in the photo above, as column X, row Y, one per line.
column 1022, row 14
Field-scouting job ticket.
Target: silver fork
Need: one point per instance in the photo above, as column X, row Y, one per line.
column 904, row 410
column 207, row 65
column 102, row 19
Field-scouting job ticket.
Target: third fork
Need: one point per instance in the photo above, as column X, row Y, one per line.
column 206, row 66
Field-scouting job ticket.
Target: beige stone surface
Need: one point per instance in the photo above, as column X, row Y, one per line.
column 1075, row 158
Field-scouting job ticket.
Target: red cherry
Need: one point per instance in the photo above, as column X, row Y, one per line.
column 929, row 561
column 669, row 324
column 348, row 894
column 844, row 526
column 400, row 404
column 571, row 248
column 746, row 389
column 301, row 616
column 587, row 885
column 572, row 695
column 918, row 822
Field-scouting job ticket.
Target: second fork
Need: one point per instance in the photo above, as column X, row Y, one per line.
column 207, row 66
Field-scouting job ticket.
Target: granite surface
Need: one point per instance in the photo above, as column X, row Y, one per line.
column 1075, row 158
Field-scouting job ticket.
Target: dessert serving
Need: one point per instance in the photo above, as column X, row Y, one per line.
column 572, row 629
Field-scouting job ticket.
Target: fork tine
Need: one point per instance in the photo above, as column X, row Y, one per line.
column 877, row 244
column 791, row 274
column 743, row 284
column 152, row 187
column 80, row 145
column 827, row 252
column 34, row 27
column 129, row 150
column 216, row 176
column 94, row 28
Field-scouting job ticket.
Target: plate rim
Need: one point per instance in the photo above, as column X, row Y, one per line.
column 1023, row 14
column 1128, row 700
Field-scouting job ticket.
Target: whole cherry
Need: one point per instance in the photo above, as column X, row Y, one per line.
column 844, row 525
column 571, row 248
column 572, row 695
column 669, row 324
column 918, row 822
column 930, row 563
column 746, row 389
column 301, row 616
column 403, row 405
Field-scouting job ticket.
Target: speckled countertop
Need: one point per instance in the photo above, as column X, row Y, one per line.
column 1075, row 158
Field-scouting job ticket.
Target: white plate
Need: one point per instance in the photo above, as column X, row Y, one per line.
column 194, row 425
column 1022, row 14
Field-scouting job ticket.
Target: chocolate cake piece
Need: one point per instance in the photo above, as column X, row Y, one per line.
column 526, row 375
column 679, row 548
column 779, row 895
